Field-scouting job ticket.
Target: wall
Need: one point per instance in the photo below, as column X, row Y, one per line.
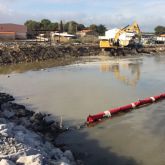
column 7, row 35
column 19, row 31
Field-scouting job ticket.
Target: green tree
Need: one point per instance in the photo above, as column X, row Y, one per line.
column 71, row 27
column 93, row 27
column 98, row 29
column 101, row 29
column 159, row 30
column 45, row 24
column 66, row 25
column 61, row 27
column 53, row 26
column 32, row 27
column 80, row 27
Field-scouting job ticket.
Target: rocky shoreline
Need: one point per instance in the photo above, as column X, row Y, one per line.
column 13, row 53
column 24, row 52
column 28, row 138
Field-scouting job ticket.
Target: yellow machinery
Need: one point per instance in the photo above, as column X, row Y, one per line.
column 116, row 43
column 117, row 68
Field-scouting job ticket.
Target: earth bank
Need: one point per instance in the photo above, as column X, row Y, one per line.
column 28, row 138
column 19, row 52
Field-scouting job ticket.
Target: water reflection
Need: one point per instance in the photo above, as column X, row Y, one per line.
column 125, row 71
column 23, row 67
column 159, row 59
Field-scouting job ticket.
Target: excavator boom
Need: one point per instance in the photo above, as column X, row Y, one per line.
column 134, row 28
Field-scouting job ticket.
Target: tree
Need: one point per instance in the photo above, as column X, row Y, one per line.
column 45, row 24
column 93, row 27
column 61, row 27
column 101, row 29
column 71, row 27
column 32, row 26
column 66, row 25
column 159, row 30
column 80, row 27
column 53, row 26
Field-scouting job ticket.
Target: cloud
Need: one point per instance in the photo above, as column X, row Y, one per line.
column 110, row 13
column 3, row 8
column 66, row 2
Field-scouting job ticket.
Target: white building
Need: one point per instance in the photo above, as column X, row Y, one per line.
column 161, row 38
column 110, row 34
column 58, row 37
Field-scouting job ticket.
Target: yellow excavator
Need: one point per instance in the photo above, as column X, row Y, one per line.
column 115, row 42
column 117, row 68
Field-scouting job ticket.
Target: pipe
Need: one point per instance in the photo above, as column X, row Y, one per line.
column 109, row 113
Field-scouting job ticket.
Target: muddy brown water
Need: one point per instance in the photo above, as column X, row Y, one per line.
column 93, row 85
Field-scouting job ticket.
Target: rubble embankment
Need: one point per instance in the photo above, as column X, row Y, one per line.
column 13, row 53
column 152, row 49
column 28, row 138
column 27, row 52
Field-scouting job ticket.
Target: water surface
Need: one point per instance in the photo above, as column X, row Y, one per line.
column 77, row 90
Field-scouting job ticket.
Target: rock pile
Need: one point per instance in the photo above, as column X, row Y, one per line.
column 29, row 138
column 13, row 52
column 18, row 53
column 152, row 49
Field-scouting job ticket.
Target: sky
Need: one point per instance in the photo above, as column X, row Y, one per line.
column 111, row 13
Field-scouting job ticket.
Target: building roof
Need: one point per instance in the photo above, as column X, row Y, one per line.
column 7, row 32
column 85, row 31
column 144, row 34
column 162, row 35
column 13, row 28
column 64, row 34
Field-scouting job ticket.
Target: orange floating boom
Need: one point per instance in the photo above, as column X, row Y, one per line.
column 109, row 113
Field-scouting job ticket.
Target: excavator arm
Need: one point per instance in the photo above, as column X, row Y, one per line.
column 130, row 28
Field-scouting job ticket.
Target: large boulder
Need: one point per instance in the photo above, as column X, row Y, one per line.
column 30, row 160
column 6, row 162
column 8, row 114
column 68, row 154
